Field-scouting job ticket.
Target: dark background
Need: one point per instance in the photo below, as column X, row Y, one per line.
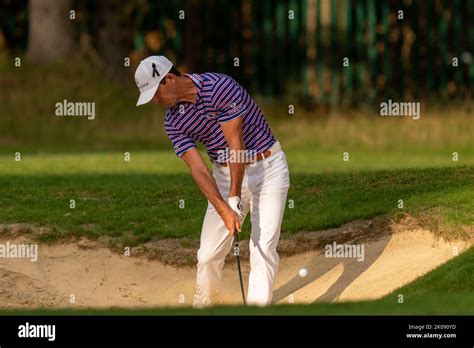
column 279, row 57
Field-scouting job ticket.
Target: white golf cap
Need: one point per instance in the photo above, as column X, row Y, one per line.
column 148, row 76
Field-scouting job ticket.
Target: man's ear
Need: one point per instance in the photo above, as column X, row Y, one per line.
column 170, row 77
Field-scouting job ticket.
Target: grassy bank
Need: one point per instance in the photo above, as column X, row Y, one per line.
column 135, row 207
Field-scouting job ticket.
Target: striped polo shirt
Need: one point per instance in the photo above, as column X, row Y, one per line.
column 219, row 99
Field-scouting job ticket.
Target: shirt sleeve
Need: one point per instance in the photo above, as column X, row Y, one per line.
column 227, row 99
column 181, row 142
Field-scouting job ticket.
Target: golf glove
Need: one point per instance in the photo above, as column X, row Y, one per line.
column 236, row 205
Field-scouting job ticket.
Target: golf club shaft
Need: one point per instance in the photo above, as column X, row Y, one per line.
column 237, row 254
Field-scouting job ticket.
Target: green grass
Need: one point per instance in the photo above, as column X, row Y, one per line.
column 136, row 205
column 74, row 158
column 446, row 290
column 28, row 123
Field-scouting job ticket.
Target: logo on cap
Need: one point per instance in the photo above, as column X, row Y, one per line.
column 154, row 70
column 141, row 86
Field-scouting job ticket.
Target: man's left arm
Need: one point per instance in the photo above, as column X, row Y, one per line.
column 233, row 133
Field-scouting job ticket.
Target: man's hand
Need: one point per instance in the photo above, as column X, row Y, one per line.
column 236, row 205
column 208, row 186
column 231, row 220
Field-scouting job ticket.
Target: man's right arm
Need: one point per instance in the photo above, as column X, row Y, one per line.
column 207, row 184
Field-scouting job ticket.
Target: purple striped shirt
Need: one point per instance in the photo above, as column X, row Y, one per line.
column 219, row 99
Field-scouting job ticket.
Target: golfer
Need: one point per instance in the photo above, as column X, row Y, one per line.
column 249, row 169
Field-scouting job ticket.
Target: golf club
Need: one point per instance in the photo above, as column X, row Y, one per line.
column 237, row 255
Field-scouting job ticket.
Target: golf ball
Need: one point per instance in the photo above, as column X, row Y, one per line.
column 303, row 272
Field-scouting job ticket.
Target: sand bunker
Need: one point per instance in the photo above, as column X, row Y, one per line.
column 90, row 275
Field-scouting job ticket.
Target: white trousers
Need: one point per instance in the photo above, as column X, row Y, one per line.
column 264, row 191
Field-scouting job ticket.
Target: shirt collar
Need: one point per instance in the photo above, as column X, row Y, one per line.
column 197, row 80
